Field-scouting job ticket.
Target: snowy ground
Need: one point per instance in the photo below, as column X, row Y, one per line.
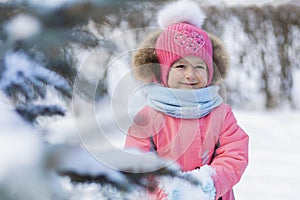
column 273, row 171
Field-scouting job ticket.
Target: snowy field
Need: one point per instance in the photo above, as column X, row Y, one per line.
column 273, row 171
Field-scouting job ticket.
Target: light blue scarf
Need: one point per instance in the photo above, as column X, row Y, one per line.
column 187, row 104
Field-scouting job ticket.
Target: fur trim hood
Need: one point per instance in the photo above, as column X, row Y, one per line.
column 146, row 66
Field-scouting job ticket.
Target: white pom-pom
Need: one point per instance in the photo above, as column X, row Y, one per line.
column 181, row 11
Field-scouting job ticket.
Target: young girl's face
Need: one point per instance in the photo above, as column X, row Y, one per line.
column 189, row 72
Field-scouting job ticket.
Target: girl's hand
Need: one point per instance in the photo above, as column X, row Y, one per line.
column 196, row 184
column 203, row 177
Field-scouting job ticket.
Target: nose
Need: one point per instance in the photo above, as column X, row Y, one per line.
column 189, row 73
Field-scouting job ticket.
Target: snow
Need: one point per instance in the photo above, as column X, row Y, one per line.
column 273, row 171
column 201, row 184
column 21, row 153
column 178, row 189
column 133, row 161
column 50, row 4
column 296, row 88
column 253, row 2
column 20, row 145
column 20, row 69
column 78, row 160
column 22, row 26
column 59, row 130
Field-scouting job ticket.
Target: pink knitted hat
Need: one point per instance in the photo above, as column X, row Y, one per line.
column 182, row 37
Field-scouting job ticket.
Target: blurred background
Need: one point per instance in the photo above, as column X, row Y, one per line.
column 66, row 80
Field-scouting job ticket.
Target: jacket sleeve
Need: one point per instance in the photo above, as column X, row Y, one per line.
column 145, row 125
column 134, row 141
column 231, row 157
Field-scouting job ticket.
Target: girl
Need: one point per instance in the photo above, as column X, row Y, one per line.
column 185, row 118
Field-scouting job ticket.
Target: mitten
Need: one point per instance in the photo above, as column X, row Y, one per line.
column 199, row 185
column 203, row 177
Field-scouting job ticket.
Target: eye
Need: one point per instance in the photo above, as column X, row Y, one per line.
column 200, row 67
column 179, row 66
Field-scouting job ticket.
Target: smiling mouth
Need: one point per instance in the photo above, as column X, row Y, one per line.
column 189, row 83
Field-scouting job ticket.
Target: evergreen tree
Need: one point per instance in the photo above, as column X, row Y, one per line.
column 37, row 42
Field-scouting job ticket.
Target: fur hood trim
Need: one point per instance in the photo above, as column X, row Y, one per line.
column 146, row 66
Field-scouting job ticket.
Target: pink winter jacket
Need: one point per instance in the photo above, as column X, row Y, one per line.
column 215, row 139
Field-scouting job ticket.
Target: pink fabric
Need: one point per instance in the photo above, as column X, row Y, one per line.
column 191, row 143
column 180, row 40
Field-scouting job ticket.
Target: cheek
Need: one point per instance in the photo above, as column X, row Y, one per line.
column 203, row 76
column 173, row 77
column 174, row 74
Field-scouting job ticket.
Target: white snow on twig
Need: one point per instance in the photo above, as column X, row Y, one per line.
column 49, row 4
column 20, row 145
column 77, row 160
column 19, row 69
column 22, row 26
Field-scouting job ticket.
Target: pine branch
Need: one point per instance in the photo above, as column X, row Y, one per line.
column 30, row 111
column 28, row 78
